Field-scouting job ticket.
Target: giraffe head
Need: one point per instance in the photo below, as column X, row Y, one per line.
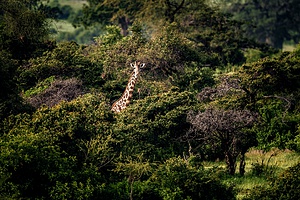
column 137, row 66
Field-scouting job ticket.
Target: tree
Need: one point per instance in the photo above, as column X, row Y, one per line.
column 278, row 76
column 134, row 168
column 9, row 98
column 124, row 13
column 23, row 28
column 57, row 153
column 118, row 12
column 223, row 129
column 59, row 90
column 271, row 88
column 153, row 125
column 270, row 22
column 217, row 34
column 217, row 37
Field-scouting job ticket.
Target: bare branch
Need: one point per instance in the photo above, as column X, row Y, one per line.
column 223, row 129
column 60, row 90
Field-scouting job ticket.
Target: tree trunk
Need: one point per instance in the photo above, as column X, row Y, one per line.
column 124, row 23
column 131, row 181
column 242, row 164
column 231, row 164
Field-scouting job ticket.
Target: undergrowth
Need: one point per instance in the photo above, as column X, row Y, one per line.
column 260, row 168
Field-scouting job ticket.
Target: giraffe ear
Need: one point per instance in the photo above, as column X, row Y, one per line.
column 142, row 65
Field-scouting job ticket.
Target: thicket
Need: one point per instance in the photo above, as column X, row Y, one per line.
column 285, row 186
column 60, row 140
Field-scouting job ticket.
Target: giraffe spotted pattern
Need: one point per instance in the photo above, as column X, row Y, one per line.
column 124, row 100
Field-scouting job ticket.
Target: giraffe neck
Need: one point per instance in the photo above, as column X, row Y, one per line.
column 124, row 101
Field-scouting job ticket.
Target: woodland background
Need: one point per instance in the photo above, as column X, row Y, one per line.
column 215, row 112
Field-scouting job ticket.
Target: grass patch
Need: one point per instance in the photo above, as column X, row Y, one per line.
column 75, row 4
column 244, row 184
column 279, row 158
column 63, row 26
column 39, row 88
column 288, row 47
column 271, row 163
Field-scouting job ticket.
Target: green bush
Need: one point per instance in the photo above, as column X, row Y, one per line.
column 271, row 88
column 40, row 87
column 57, row 153
column 284, row 187
column 153, row 125
column 177, row 179
column 67, row 60
column 59, row 90
column 10, row 101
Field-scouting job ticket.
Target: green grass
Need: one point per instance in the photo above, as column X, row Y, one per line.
column 281, row 159
column 75, row 4
column 288, row 47
column 39, row 88
column 245, row 184
column 274, row 162
column 63, row 26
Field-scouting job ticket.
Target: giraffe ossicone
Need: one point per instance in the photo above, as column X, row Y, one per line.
column 124, row 100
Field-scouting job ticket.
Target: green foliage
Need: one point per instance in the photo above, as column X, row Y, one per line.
column 276, row 75
column 277, row 127
column 56, row 153
column 169, row 51
column 134, row 169
column 271, row 22
column 66, row 60
column 253, row 55
column 271, row 87
column 296, row 141
column 194, row 79
column 10, row 102
column 40, row 87
column 177, row 179
column 152, row 125
column 286, row 186
column 23, row 27
column 112, row 35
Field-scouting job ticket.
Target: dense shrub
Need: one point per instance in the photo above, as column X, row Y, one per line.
column 177, row 179
column 67, row 60
column 285, row 187
column 225, row 130
column 153, row 125
column 10, row 101
column 76, row 148
column 271, row 87
column 56, row 153
column 59, row 90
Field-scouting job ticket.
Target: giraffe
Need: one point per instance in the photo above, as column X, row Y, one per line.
column 124, row 100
